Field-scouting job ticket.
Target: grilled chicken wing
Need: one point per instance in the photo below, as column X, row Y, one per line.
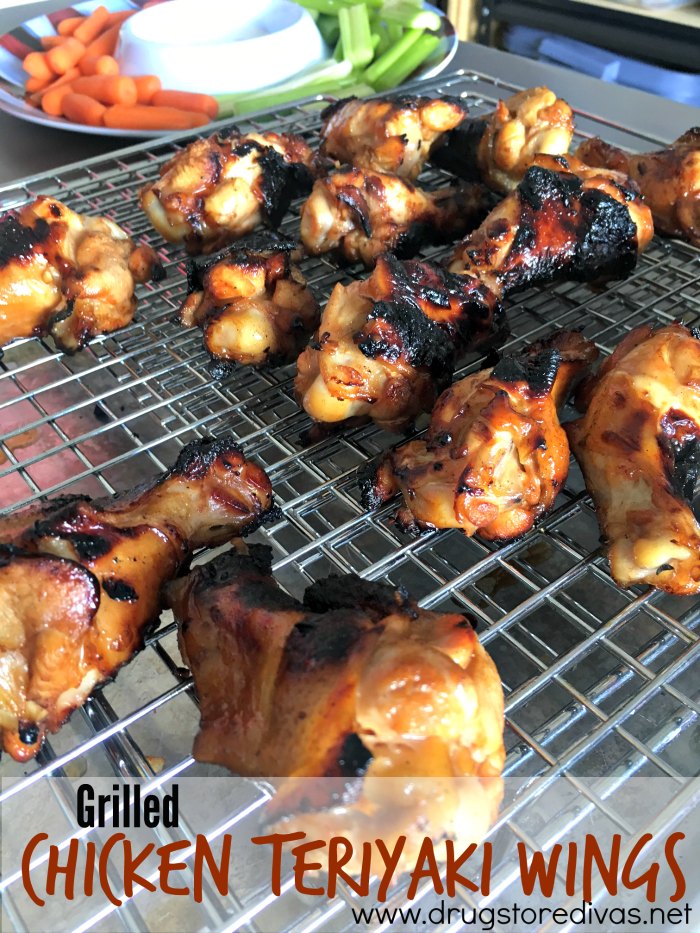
column 218, row 189
column 495, row 456
column 252, row 303
column 499, row 148
column 360, row 215
column 357, row 684
column 80, row 580
column 67, row 274
column 563, row 220
column 669, row 179
column 386, row 345
column 638, row 447
column 392, row 134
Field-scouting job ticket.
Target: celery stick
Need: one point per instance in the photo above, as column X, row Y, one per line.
column 385, row 42
column 323, row 78
column 329, row 7
column 355, row 35
column 395, row 32
column 421, row 49
column 406, row 15
column 329, row 28
column 390, row 58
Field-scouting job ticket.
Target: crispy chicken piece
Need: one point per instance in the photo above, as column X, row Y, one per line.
column 564, row 220
column 67, row 274
column 669, row 180
column 252, row 303
column 495, row 456
column 638, row 448
column 358, row 684
column 80, row 580
column 360, row 215
column 220, row 188
column 391, row 134
column 387, row 345
column 500, row 147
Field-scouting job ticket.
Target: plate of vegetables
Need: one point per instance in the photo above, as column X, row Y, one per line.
column 69, row 68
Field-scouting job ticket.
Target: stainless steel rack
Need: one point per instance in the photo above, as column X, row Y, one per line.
column 599, row 682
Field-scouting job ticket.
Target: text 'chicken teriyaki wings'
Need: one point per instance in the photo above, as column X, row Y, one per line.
column 361, row 214
column 500, row 147
column 564, row 220
column 390, row 134
column 218, row 189
column 80, row 580
column 357, row 683
column 68, row 275
column 251, row 301
column 387, row 344
column 495, row 456
column 638, row 446
column 669, row 179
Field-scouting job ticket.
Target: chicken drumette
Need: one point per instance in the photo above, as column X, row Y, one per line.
column 252, row 303
column 393, row 134
column 80, row 580
column 495, row 456
column 564, row 220
column 360, row 214
column 500, row 147
column 669, row 179
column 386, row 345
column 218, row 189
column 638, row 446
column 356, row 683
column 67, row 274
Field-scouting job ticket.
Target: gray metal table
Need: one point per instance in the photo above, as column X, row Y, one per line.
column 27, row 148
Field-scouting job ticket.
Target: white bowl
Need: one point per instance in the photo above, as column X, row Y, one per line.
column 220, row 46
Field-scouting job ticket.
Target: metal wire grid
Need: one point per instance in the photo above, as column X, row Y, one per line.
column 599, row 682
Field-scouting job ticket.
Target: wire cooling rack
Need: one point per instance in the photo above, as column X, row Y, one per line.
column 599, row 682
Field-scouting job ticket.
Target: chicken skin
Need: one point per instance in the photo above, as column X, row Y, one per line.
column 391, row 134
column 638, row 448
column 495, row 456
column 80, row 580
column 218, row 189
column 499, row 148
column 67, row 275
column 669, row 180
column 359, row 215
column 356, row 683
column 564, row 220
column 252, row 303
column 387, row 345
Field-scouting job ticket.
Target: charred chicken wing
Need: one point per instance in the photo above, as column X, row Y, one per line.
column 356, row 683
column 499, row 148
column 392, row 134
column 80, row 580
column 495, row 456
column 218, row 189
column 669, row 179
column 387, row 345
column 252, row 303
column 360, row 215
column 67, row 274
column 638, row 448
column 564, row 220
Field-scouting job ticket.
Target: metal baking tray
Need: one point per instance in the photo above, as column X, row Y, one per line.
column 599, row 682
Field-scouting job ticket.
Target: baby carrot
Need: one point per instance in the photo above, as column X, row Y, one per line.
column 69, row 76
column 52, row 101
column 34, row 85
column 118, row 18
column 65, row 56
column 146, row 87
column 108, row 89
column 98, row 65
column 143, row 117
column 83, row 109
column 92, row 25
column 50, row 42
column 185, row 100
column 67, row 26
column 106, row 42
column 37, row 66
